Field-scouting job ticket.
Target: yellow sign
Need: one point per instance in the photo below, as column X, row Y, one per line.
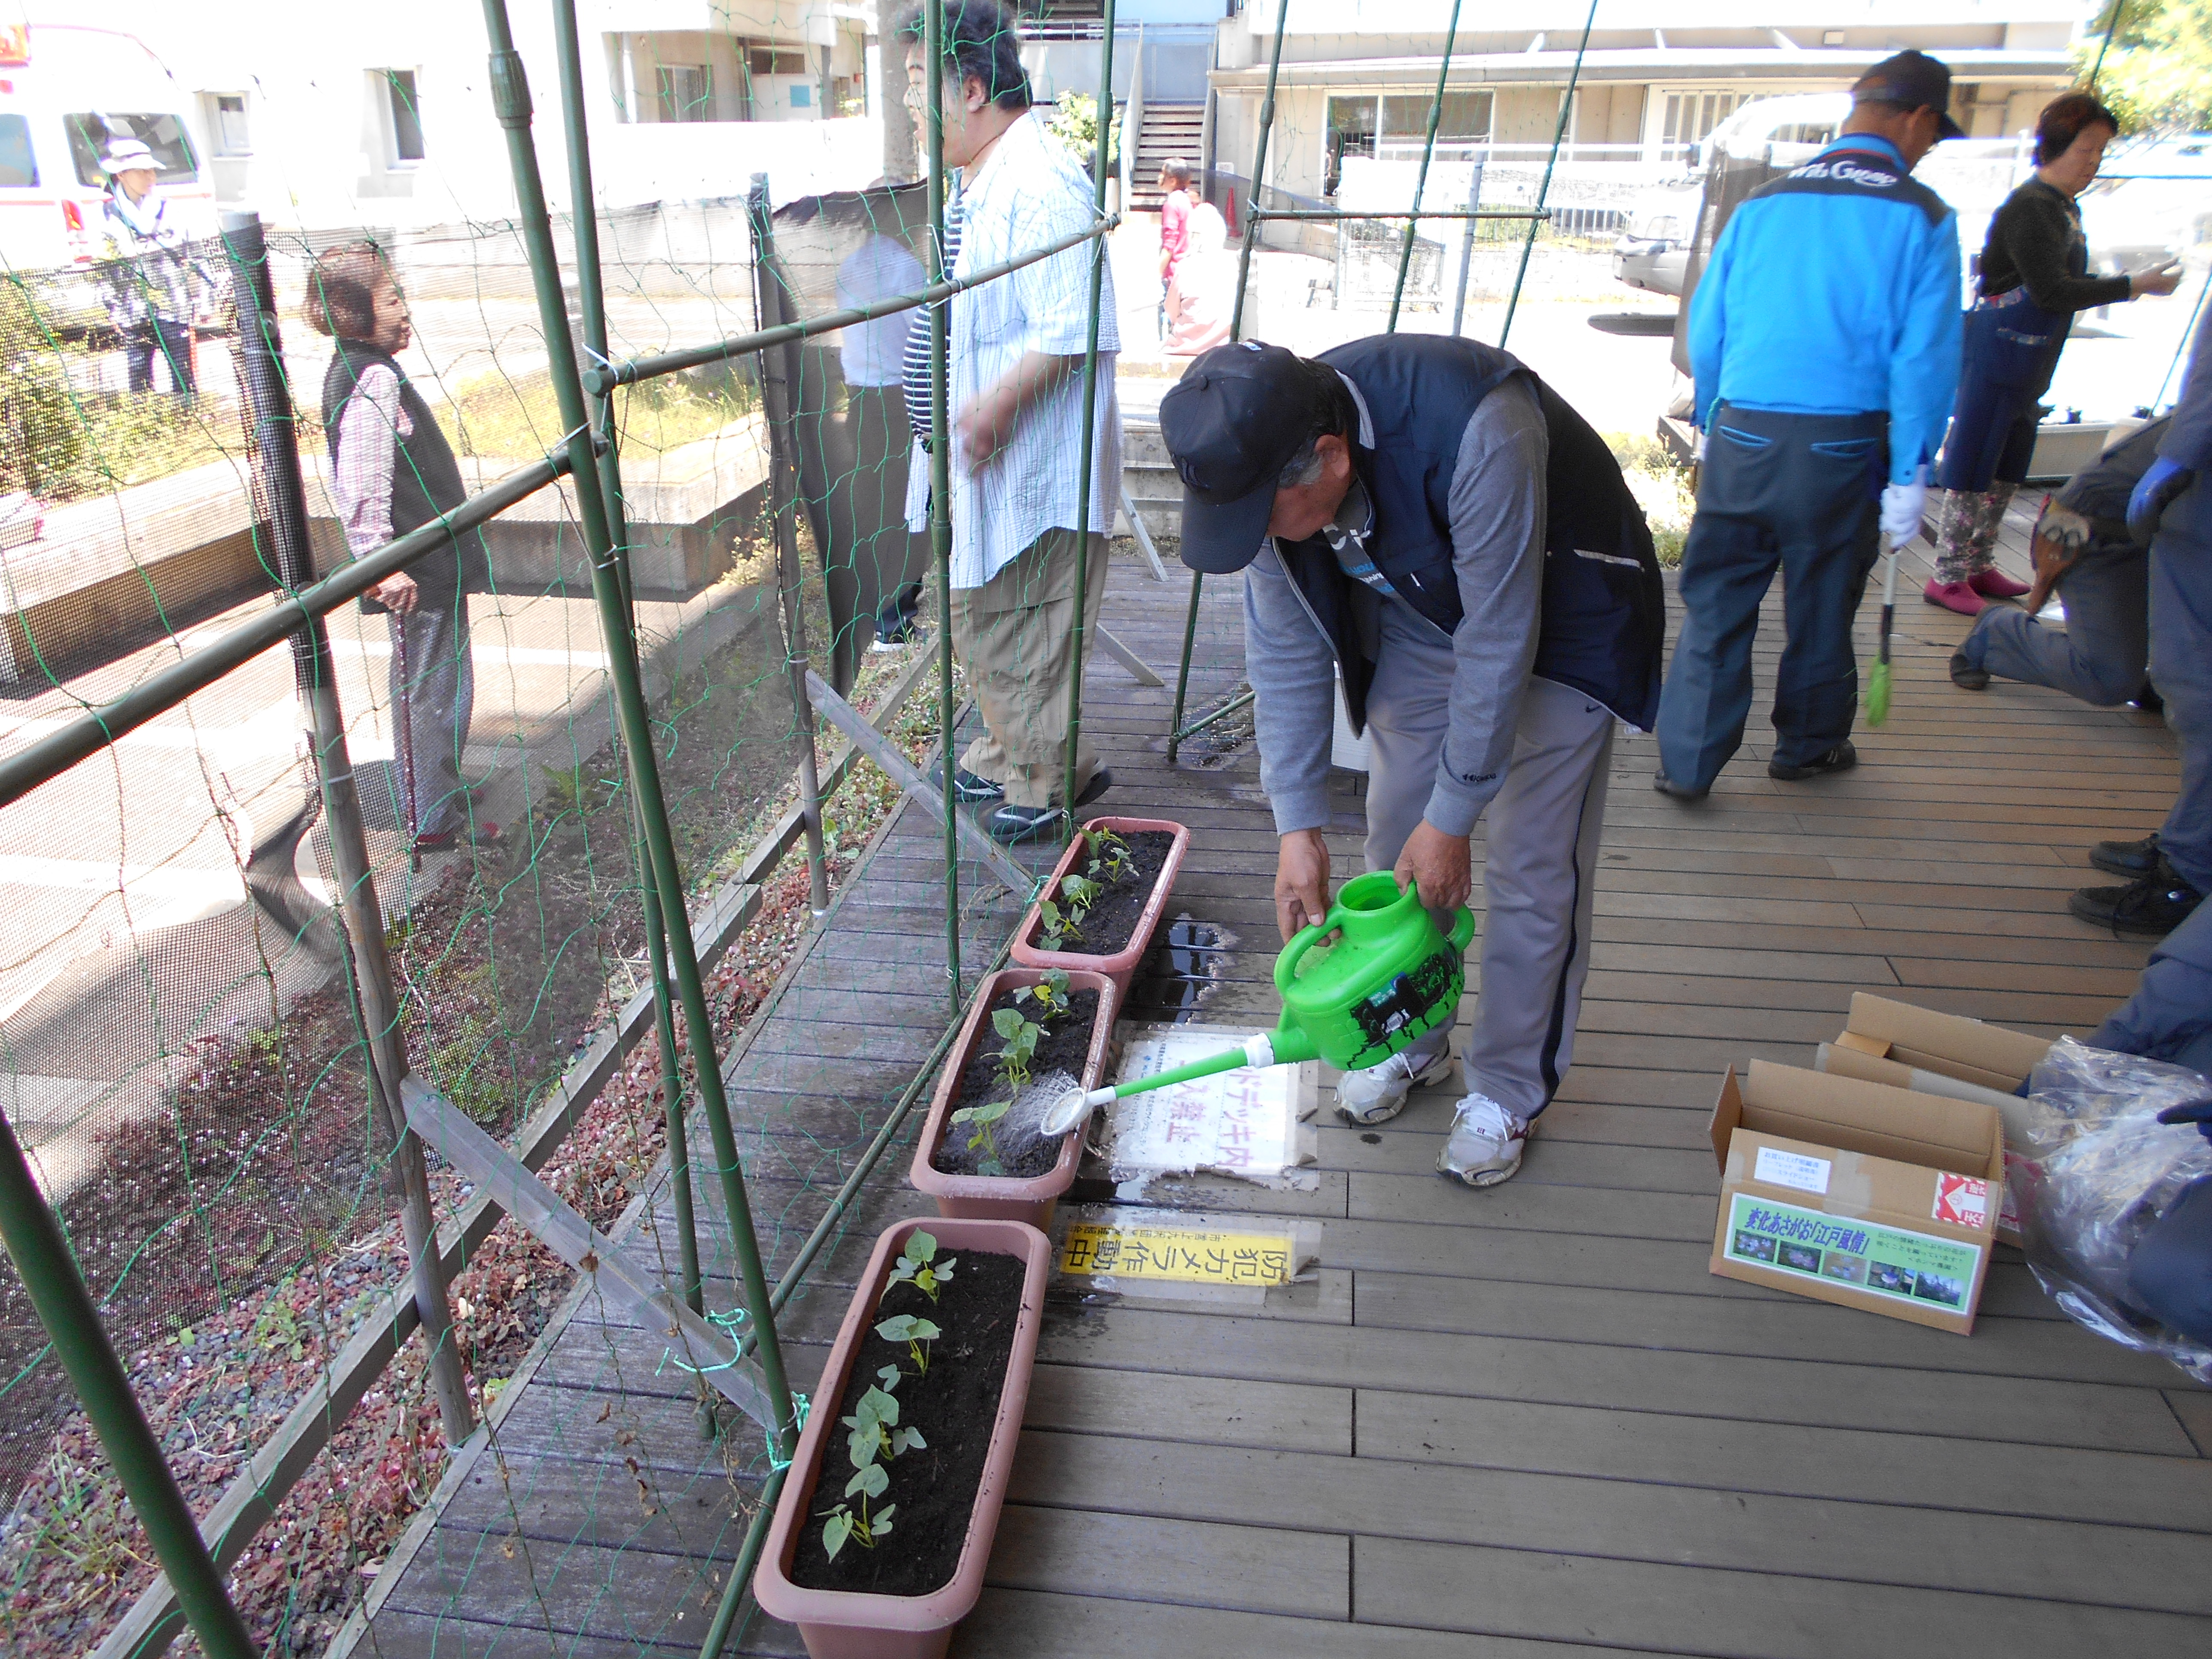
column 1206, row 1258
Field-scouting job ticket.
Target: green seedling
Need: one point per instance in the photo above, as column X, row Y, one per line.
column 1109, row 855
column 918, row 1265
column 983, row 1136
column 914, row 1332
column 1020, row 1046
column 1056, row 927
column 872, row 1437
column 1081, row 893
column 1050, row 996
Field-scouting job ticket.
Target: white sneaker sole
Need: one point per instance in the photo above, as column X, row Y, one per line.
column 1383, row 1110
column 1479, row 1178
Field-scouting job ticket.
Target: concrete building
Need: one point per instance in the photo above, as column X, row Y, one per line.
column 1657, row 77
column 383, row 114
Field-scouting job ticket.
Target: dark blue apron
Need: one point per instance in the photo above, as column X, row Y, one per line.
column 2011, row 351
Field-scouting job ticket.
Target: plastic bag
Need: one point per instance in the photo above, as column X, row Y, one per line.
column 2104, row 1169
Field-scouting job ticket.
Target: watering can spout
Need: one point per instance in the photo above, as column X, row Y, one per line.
column 1288, row 1044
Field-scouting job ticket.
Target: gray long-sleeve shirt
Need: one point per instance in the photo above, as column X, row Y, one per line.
column 1497, row 506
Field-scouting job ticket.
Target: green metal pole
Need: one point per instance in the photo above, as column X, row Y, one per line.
column 1090, row 417
column 1428, row 155
column 592, row 301
column 940, row 476
column 511, row 105
column 66, row 1309
column 1544, row 190
column 1235, row 332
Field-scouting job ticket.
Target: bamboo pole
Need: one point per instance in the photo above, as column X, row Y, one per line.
column 783, row 486
column 591, row 303
column 1089, row 446
column 940, row 475
column 511, row 106
column 66, row 1309
column 1253, row 220
column 275, row 458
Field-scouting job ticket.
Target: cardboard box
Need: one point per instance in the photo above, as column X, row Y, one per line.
column 1885, row 1042
column 1857, row 1193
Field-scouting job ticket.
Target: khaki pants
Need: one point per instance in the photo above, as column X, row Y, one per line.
column 1016, row 635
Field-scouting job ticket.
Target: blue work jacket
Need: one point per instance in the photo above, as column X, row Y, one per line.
column 1834, row 290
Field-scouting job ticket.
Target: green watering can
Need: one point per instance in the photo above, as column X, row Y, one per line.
column 1390, row 979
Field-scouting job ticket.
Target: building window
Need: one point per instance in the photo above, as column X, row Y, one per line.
column 766, row 60
column 1394, row 127
column 404, row 111
column 226, row 114
column 1692, row 116
column 686, row 91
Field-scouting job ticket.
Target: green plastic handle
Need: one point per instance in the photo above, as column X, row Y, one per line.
column 1462, row 932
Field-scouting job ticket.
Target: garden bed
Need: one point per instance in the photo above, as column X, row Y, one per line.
column 1013, row 1145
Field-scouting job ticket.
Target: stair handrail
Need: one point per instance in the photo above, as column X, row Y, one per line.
column 1132, row 124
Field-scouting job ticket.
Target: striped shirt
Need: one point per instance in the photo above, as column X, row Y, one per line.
column 1029, row 192
column 370, row 425
column 917, row 374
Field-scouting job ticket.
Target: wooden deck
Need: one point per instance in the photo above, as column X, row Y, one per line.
column 1518, row 1422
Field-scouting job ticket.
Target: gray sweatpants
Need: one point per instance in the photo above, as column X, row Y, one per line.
column 2099, row 655
column 437, row 699
column 1539, row 875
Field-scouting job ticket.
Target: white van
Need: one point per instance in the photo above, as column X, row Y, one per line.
column 66, row 91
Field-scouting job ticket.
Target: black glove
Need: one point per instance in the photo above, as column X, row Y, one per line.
column 2198, row 1112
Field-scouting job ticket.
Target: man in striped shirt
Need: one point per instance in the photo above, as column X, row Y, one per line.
column 1015, row 395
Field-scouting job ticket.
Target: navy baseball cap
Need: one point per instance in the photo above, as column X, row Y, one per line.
column 1915, row 80
column 1238, row 416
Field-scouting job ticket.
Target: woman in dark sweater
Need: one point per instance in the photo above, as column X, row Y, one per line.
column 2034, row 276
column 391, row 471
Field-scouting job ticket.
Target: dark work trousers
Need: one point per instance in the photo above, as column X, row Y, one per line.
column 870, row 547
column 440, row 700
column 1794, row 492
column 2171, row 1271
column 172, row 344
column 2181, row 669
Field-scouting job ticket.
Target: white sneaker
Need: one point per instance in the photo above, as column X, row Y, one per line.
column 1485, row 1145
column 1378, row 1094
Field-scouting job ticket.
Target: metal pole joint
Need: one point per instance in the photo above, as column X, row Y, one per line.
column 510, row 89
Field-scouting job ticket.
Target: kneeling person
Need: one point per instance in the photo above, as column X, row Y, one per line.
column 1389, row 503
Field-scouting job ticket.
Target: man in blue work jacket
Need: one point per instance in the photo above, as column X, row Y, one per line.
column 1824, row 338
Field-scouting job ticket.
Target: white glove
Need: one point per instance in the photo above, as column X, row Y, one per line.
column 1902, row 505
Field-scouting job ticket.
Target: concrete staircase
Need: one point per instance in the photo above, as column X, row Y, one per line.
column 1168, row 129
column 1155, row 490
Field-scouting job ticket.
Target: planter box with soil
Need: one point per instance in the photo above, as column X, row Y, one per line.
column 1003, row 1167
column 880, row 1539
column 1134, row 862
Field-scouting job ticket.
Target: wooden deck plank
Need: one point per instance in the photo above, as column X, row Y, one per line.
column 1757, row 1615
column 1518, row 1423
column 1862, row 1542
column 1959, row 1404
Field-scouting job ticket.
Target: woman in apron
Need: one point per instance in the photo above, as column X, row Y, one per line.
column 2034, row 278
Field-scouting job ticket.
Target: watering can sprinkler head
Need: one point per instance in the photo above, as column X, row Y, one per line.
column 1392, row 977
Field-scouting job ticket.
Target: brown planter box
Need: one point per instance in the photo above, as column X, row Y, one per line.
column 846, row 1624
column 1007, row 1198
column 1121, row 966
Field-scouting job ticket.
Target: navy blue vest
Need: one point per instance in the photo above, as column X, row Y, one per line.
column 1604, row 608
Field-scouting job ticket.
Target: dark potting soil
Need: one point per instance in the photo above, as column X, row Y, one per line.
column 953, row 1404
column 1064, row 1046
column 1108, row 924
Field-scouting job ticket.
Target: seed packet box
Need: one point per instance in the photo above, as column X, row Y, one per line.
column 1857, row 1193
column 1886, row 1041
